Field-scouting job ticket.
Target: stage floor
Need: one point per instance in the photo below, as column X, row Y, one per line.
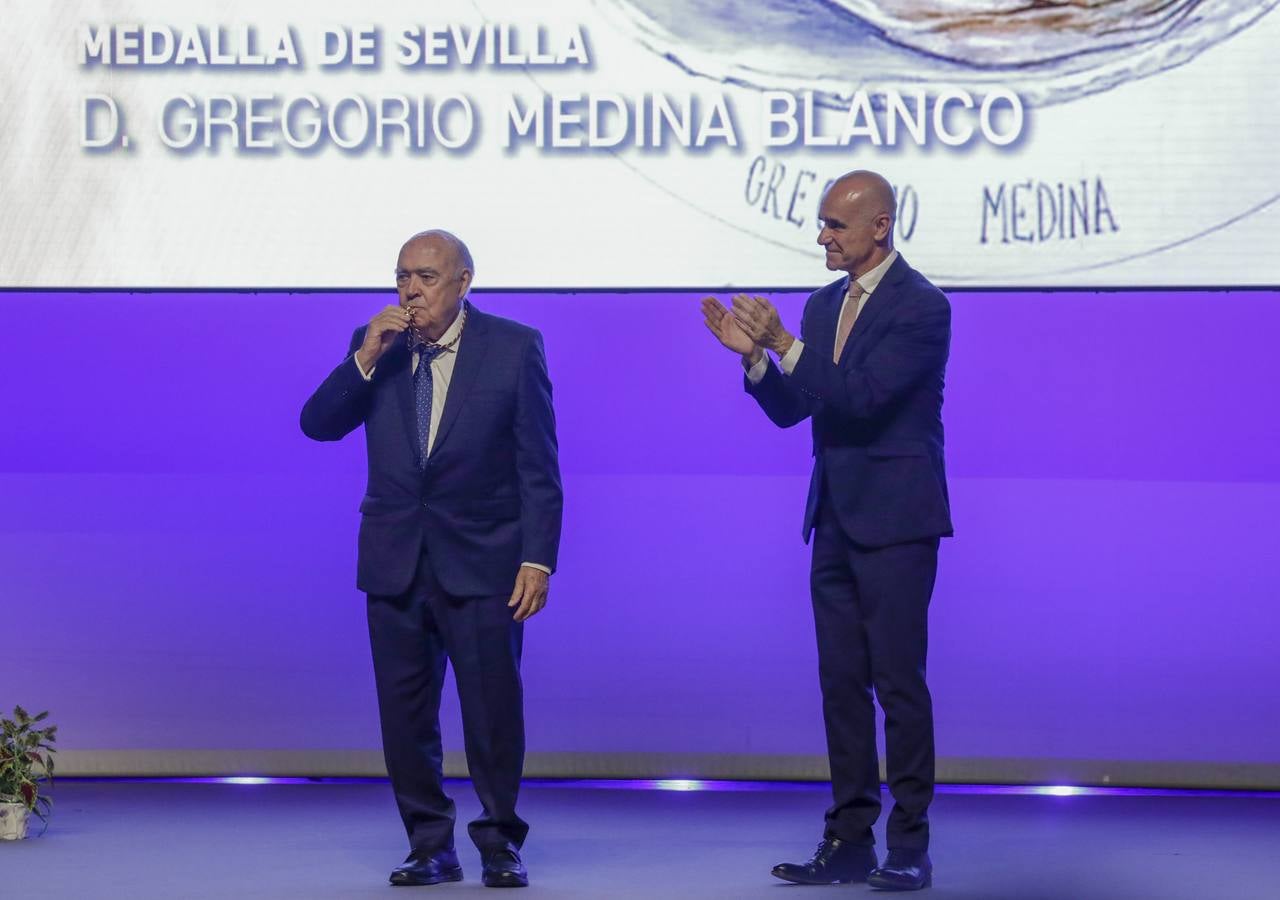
column 144, row 840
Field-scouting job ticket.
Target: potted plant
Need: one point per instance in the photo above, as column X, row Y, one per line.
column 26, row 765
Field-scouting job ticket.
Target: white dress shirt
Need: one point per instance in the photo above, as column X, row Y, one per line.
column 868, row 281
column 441, row 375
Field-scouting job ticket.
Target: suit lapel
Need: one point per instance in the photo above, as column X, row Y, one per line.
column 471, row 349
column 400, row 365
column 880, row 299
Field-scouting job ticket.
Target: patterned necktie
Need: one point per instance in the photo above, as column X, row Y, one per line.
column 423, row 386
column 848, row 316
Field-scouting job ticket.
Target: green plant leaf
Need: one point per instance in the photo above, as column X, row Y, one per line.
column 26, row 760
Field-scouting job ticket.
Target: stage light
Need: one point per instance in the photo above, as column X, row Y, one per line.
column 679, row 784
column 1060, row 790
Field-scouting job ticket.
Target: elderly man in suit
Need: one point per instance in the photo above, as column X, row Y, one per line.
column 459, row 533
column 867, row 370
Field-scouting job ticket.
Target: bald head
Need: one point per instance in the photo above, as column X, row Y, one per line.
column 871, row 192
column 857, row 214
column 462, row 255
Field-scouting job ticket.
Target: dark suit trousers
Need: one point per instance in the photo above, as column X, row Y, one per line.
column 870, row 609
column 412, row 636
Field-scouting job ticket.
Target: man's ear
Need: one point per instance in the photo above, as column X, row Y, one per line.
column 884, row 224
column 465, row 281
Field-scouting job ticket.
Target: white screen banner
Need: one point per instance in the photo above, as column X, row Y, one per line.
column 635, row 143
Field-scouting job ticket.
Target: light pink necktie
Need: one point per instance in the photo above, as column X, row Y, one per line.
column 847, row 317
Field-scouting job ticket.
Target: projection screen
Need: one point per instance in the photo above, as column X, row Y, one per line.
column 635, row 143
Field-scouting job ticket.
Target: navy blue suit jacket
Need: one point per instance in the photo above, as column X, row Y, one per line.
column 877, row 414
column 489, row 498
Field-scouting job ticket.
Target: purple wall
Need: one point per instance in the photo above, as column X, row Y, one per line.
column 177, row 560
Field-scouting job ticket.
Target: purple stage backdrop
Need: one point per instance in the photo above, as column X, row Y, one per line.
column 177, row 561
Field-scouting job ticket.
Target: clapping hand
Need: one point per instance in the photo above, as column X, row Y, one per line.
column 727, row 329
column 758, row 319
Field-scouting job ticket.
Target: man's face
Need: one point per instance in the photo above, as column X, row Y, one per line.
column 431, row 282
column 852, row 228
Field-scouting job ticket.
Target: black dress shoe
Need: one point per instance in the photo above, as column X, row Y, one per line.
column 502, row 866
column 427, row 867
column 903, row 870
column 834, row 862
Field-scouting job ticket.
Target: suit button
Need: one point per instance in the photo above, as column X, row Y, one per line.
column 426, row 505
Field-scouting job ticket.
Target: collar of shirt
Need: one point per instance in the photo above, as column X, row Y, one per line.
column 870, row 279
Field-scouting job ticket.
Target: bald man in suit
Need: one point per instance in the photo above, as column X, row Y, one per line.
column 459, row 532
column 867, row 370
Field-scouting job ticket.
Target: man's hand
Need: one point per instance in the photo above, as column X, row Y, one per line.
column 530, row 593
column 758, row 319
column 384, row 328
column 725, row 327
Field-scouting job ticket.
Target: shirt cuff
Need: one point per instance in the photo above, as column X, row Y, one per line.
column 539, row 566
column 792, row 356
column 755, row 374
column 367, row 376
